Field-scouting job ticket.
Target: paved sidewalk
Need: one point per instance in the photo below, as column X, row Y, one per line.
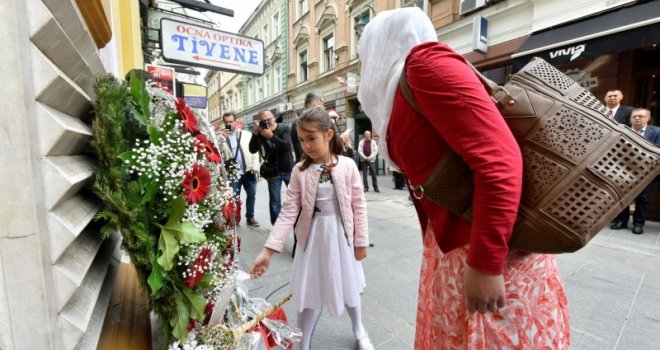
column 613, row 284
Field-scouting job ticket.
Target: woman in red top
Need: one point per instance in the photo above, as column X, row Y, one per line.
column 467, row 267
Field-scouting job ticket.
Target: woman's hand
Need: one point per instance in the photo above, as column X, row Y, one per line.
column 360, row 253
column 261, row 263
column 482, row 292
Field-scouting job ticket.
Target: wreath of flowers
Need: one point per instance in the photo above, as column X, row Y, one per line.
column 165, row 190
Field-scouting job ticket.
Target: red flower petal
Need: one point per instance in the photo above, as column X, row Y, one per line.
column 207, row 147
column 200, row 266
column 196, row 183
column 187, row 116
column 232, row 210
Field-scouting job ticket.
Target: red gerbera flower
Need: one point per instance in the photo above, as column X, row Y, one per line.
column 187, row 116
column 207, row 147
column 200, row 266
column 196, row 183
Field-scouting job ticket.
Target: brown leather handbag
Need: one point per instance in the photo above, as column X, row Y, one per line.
column 580, row 168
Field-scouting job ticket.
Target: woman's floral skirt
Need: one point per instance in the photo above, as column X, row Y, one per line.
column 535, row 315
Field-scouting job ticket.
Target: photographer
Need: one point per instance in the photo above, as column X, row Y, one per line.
column 248, row 164
column 275, row 140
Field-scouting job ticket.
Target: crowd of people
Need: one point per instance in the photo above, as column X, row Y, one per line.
column 474, row 290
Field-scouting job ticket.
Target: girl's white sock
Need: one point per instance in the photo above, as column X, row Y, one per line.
column 306, row 324
column 355, row 313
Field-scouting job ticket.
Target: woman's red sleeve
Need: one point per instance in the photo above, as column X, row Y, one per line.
column 455, row 102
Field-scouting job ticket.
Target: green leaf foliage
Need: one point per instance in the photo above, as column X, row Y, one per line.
column 197, row 304
column 141, row 101
column 156, row 278
column 168, row 246
column 180, row 321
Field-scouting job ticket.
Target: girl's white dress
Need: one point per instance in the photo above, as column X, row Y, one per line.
column 326, row 272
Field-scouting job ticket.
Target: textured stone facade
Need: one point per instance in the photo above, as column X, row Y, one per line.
column 56, row 272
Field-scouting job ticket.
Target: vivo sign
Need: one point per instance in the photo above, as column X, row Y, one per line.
column 574, row 52
column 209, row 48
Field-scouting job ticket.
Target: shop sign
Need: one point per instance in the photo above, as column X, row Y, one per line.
column 573, row 51
column 163, row 77
column 199, row 46
column 480, row 34
column 194, row 95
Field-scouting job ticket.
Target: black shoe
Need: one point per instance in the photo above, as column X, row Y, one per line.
column 638, row 229
column 376, row 190
column 366, row 189
column 618, row 225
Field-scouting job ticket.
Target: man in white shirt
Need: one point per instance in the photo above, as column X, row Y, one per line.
column 238, row 141
column 368, row 150
column 640, row 118
column 615, row 110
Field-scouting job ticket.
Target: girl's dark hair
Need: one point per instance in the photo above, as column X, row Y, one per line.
column 317, row 119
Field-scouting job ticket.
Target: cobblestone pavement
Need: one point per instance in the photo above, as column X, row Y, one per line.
column 613, row 284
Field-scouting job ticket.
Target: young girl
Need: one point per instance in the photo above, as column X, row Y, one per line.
column 332, row 230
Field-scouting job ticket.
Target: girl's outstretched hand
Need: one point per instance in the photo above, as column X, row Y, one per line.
column 261, row 263
column 483, row 293
column 360, row 253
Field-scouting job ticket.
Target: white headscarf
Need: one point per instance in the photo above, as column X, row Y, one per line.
column 383, row 48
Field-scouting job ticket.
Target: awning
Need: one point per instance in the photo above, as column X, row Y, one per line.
column 624, row 29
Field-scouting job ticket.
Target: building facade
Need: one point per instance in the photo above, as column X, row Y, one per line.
column 268, row 23
column 603, row 45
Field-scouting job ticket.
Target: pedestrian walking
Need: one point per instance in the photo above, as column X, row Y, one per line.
column 325, row 193
column 238, row 141
column 474, row 292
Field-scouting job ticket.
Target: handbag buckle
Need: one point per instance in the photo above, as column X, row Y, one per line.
column 418, row 192
column 502, row 97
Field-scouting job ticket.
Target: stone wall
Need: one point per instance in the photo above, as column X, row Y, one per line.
column 56, row 272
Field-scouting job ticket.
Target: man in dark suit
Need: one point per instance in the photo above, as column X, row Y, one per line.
column 614, row 108
column 640, row 118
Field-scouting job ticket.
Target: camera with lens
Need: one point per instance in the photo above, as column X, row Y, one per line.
column 263, row 124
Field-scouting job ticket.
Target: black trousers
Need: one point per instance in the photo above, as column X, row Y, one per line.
column 399, row 180
column 369, row 167
column 641, row 207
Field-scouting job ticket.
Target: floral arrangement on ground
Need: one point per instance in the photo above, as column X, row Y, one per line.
column 165, row 190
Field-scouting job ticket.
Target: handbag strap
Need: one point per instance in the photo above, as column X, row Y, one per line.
column 498, row 93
